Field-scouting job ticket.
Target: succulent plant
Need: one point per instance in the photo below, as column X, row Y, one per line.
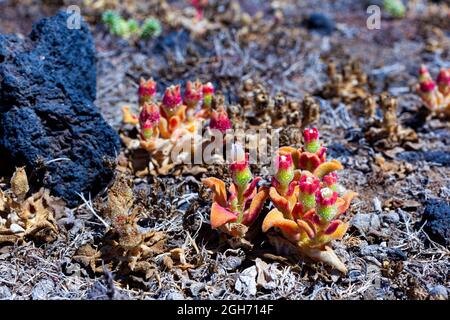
column 395, row 8
column 235, row 211
column 124, row 28
column 308, row 201
column 435, row 95
column 173, row 123
column 151, row 28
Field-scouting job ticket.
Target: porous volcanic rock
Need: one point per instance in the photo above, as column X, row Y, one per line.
column 48, row 121
column 437, row 218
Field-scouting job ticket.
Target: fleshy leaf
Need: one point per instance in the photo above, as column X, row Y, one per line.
column 128, row 117
column 221, row 216
column 309, row 161
column 280, row 202
column 248, row 192
column 327, row 167
column 218, row 188
column 348, row 197
column 307, row 228
column 275, row 218
column 256, row 206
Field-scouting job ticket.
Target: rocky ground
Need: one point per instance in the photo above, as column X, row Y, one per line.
column 397, row 247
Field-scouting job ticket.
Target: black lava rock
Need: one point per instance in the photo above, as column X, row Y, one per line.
column 48, row 121
column 320, row 23
column 437, row 217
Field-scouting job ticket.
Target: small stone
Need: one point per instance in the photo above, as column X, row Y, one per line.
column 392, row 217
column 246, row 281
column 196, row 288
column 371, row 250
column 42, row 289
column 175, row 296
column 232, row 262
column 377, row 204
column 396, row 254
column 366, row 222
column 439, row 292
column 320, row 23
column 5, row 293
column 15, row 228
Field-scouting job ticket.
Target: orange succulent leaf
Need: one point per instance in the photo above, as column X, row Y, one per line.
column 218, row 188
column 327, row 167
column 289, row 228
column 309, row 161
column 347, row 199
column 256, row 206
column 164, row 128
column 297, row 211
column 221, row 216
column 128, row 117
column 335, row 231
column 306, row 228
column 174, row 123
column 232, row 189
column 281, row 203
column 252, row 187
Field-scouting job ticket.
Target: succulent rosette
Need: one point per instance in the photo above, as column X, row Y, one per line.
column 235, row 211
column 308, row 204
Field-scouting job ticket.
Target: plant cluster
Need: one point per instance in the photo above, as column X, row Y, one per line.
column 131, row 28
column 126, row 247
column 347, row 83
column 27, row 217
column 259, row 107
column 176, row 121
column 385, row 132
column 435, row 94
column 305, row 192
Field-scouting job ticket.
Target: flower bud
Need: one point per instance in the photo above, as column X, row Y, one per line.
column 308, row 186
column 284, row 170
column 330, row 180
column 311, row 138
column 326, row 200
column 240, row 171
